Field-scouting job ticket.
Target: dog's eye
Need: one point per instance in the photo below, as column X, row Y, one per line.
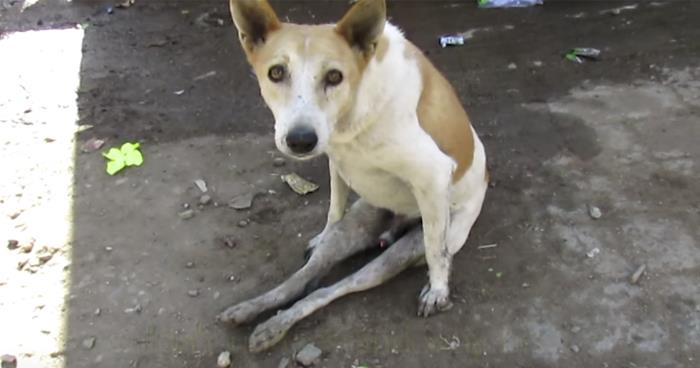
column 276, row 73
column 334, row 77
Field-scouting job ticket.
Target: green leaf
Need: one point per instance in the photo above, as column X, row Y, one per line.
column 134, row 158
column 115, row 166
column 113, row 154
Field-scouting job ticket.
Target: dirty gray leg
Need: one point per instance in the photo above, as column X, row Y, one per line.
column 356, row 231
column 404, row 253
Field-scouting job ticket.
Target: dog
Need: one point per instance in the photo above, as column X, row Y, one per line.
column 394, row 132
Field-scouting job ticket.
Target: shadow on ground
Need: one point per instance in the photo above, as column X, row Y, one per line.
column 146, row 284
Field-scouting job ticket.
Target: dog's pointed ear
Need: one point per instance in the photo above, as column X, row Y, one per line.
column 254, row 20
column 363, row 24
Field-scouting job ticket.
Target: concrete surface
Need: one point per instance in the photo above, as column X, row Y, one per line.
column 620, row 134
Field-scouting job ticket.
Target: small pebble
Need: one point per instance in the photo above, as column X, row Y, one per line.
column 594, row 212
column 135, row 309
column 189, row 265
column 224, row 360
column 525, row 285
column 512, row 66
column 242, row 201
column 9, row 361
column 229, row 241
column 89, row 343
column 575, row 348
column 537, row 63
column 27, row 247
column 284, row 363
column 12, row 244
column 205, row 199
column 634, row 279
column 576, row 329
column 186, row 215
column 193, row 293
column 97, row 312
column 242, row 223
column 593, row 252
column 279, row 162
column 201, row 185
column 309, row 355
column 186, row 205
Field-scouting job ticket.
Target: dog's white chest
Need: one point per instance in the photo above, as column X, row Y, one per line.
column 374, row 184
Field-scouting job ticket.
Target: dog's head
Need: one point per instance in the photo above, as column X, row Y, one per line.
column 308, row 74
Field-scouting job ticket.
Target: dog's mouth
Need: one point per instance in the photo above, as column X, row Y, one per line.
column 303, row 156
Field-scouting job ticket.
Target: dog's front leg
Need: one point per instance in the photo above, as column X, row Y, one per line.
column 336, row 209
column 431, row 189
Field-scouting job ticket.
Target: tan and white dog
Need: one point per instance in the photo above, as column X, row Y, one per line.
column 394, row 132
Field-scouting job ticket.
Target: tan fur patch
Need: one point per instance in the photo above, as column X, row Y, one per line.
column 441, row 115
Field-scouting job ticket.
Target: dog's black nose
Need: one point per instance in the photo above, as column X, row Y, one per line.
column 301, row 139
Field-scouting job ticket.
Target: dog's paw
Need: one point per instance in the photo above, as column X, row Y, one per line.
column 239, row 313
column 432, row 301
column 268, row 334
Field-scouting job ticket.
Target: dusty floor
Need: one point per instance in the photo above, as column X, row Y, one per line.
column 620, row 134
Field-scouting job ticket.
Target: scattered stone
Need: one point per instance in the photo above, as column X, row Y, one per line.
column 89, row 343
column 242, row 201
column 92, row 145
column 224, row 360
column 576, row 329
column 525, row 285
column 205, row 200
column 193, row 293
column 12, row 244
column 108, row 248
column 206, row 75
column 15, row 215
column 594, row 212
column 217, row 295
column 186, row 215
column 186, row 206
column 279, row 162
column 229, row 241
column 593, row 252
column 189, row 264
column 537, row 63
column 97, row 312
column 27, row 247
column 201, row 184
column 512, row 66
column 9, row 361
column 284, row 363
column 575, row 348
column 243, row 223
column 634, row 279
column 22, row 263
column 298, row 184
column 309, row 355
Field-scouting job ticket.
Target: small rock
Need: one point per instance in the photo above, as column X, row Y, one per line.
column 92, row 145
column 204, row 199
column 284, row 363
column 186, row 215
column 634, row 279
column 279, row 162
column 201, row 184
column 189, row 265
column 135, row 309
column 224, row 360
column 97, row 312
column 89, row 343
column 12, row 244
column 299, row 185
column 575, row 348
column 512, row 66
column 594, row 212
column 593, row 252
column 22, row 263
column 9, row 361
column 193, row 293
column 576, row 329
column 186, row 206
column 242, row 201
column 309, row 355
column 525, row 285
column 243, row 223
column 537, row 63
column 27, row 247
column 229, row 241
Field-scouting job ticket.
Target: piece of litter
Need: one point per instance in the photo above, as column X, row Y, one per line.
column 451, row 344
column 634, row 279
column 224, row 360
column 451, row 40
column 119, row 158
column 579, row 54
column 92, row 145
column 594, row 212
column 125, row 4
column 180, row 92
column 508, row 3
column 201, row 185
column 298, row 184
column 593, row 252
column 205, row 75
column 487, row 246
column 89, row 343
column 617, row 11
column 242, row 201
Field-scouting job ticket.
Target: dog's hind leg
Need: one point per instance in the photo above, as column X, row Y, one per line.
column 404, row 253
column 356, row 231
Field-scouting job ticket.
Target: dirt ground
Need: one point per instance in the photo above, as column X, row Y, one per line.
column 116, row 278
